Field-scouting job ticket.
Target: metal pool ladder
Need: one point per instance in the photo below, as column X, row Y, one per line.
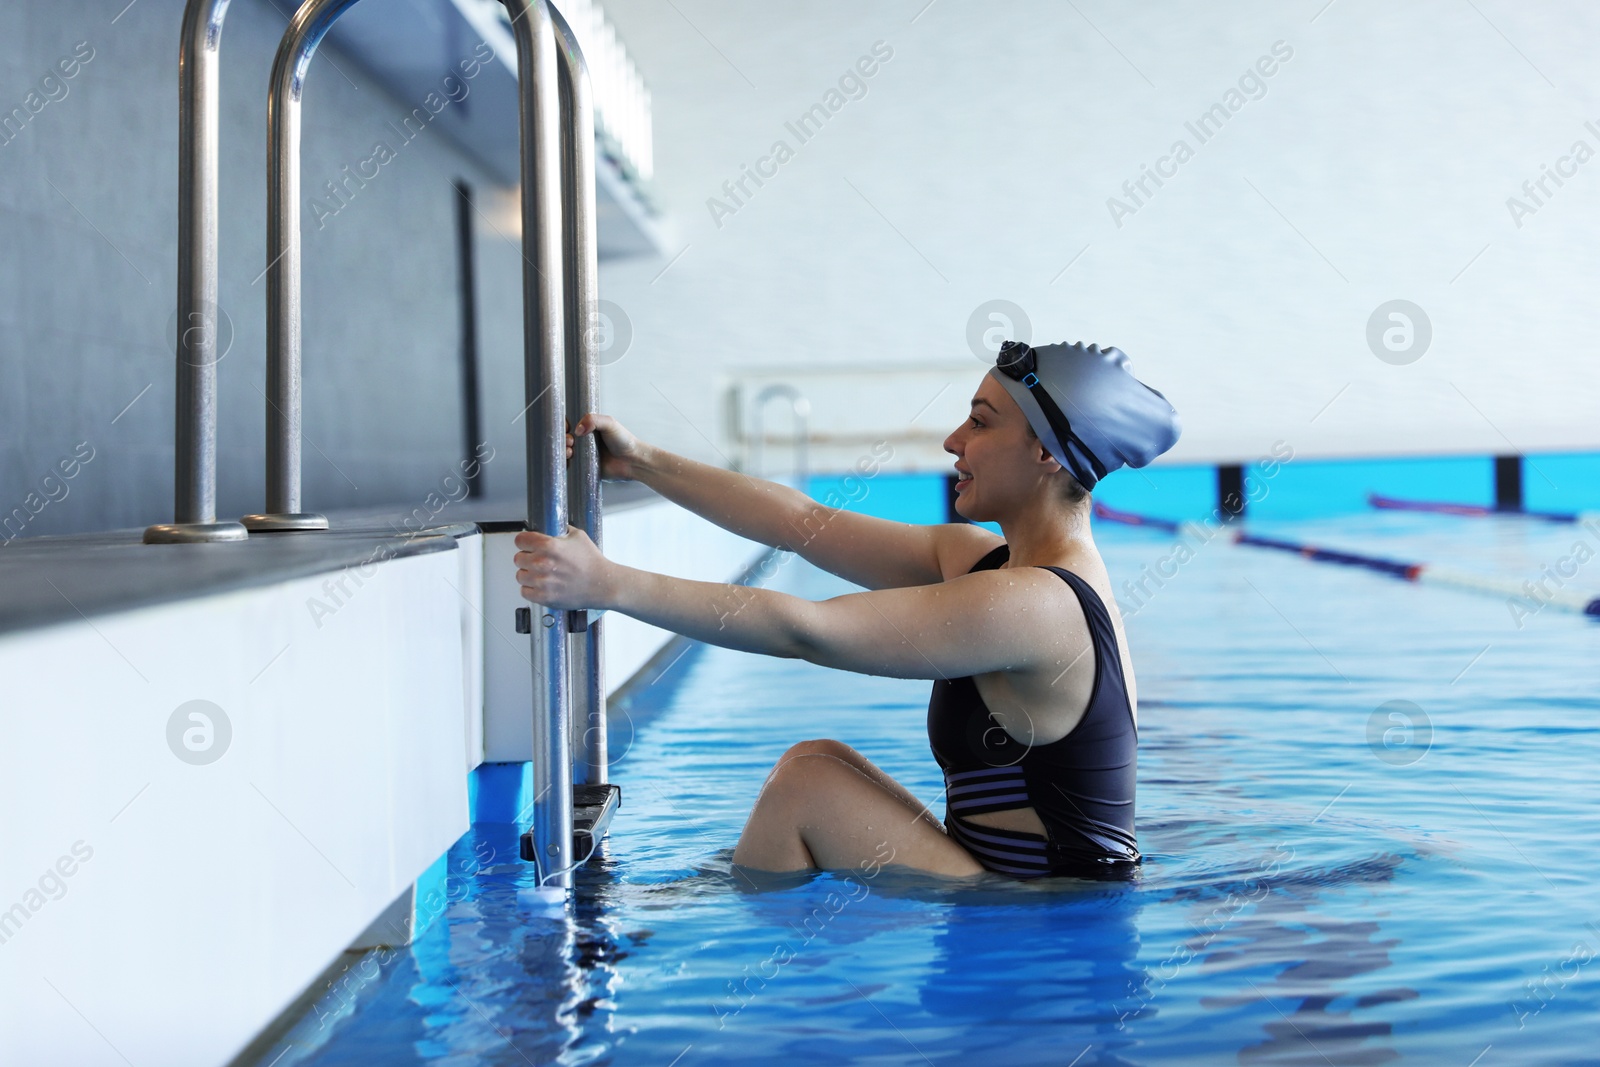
column 560, row 308
column 198, row 319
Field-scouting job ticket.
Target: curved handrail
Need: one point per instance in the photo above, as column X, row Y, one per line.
column 544, row 333
column 581, row 286
column 802, row 435
column 194, row 462
column 284, row 277
column 544, row 377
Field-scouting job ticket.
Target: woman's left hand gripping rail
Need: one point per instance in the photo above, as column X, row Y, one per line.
column 564, row 573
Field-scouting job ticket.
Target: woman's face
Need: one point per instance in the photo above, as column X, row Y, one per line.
column 998, row 464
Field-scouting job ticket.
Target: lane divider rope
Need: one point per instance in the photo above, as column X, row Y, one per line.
column 1420, row 573
column 1480, row 511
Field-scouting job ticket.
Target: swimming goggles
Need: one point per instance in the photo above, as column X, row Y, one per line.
column 1019, row 362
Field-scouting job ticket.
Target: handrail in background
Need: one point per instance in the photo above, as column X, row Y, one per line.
column 284, row 276
column 194, row 464
column 802, row 412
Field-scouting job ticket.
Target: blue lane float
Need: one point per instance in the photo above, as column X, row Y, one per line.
column 1410, row 572
column 1525, row 596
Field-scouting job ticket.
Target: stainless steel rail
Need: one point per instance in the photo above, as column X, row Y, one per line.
column 581, row 284
column 284, row 279
column 802, row 435
column 198, row 319
column 544, row 377
column 545, row 387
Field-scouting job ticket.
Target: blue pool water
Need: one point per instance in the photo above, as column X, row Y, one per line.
column 1323, row 883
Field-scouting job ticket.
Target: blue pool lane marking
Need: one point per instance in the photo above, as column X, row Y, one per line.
column 1478, row 510
column 1410, row 572
column 1421, row 573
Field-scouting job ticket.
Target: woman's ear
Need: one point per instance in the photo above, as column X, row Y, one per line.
column 1050, row 463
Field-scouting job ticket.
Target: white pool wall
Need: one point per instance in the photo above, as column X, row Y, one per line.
column 156, row 911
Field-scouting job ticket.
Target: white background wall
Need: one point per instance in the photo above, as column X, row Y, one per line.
column 1376, row 166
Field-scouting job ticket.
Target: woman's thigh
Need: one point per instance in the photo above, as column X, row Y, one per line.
column 830, row 747
column 824, row 806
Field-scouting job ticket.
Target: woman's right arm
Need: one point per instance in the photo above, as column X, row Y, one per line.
column 872, row 552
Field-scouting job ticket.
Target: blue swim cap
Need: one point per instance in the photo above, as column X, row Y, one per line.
column 1117, row 419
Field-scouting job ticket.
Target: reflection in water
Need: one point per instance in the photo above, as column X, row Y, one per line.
column 1079, row 954
column 486, row 983
column 898, row 965
column 1268, row 936
column 1311, row 957
column 491, row 977
column 1263, row 926
column 886, row 964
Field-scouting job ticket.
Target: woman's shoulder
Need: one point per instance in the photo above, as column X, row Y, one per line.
column 1089, row 572
column 964, row 548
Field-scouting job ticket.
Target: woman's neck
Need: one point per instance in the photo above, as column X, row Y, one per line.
column 1045, row 534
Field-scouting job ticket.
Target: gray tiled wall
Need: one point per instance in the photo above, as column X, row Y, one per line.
column 88, row 208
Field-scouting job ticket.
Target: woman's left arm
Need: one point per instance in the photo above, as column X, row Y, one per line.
column 985, row 621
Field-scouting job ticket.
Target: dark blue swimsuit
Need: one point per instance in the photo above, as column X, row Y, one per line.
column 1081, row 786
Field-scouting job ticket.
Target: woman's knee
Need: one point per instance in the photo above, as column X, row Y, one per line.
column 822, row 746
column 808, row 765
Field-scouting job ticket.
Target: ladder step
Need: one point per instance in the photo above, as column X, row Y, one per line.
column 592, row 809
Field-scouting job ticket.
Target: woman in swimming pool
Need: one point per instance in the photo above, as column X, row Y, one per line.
column 1032, row 712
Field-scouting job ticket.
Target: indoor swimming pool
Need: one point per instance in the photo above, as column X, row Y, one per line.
column 1366, row 808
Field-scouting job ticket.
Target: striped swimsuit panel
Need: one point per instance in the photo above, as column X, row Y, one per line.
column 994, row 789
column 1081, row 786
